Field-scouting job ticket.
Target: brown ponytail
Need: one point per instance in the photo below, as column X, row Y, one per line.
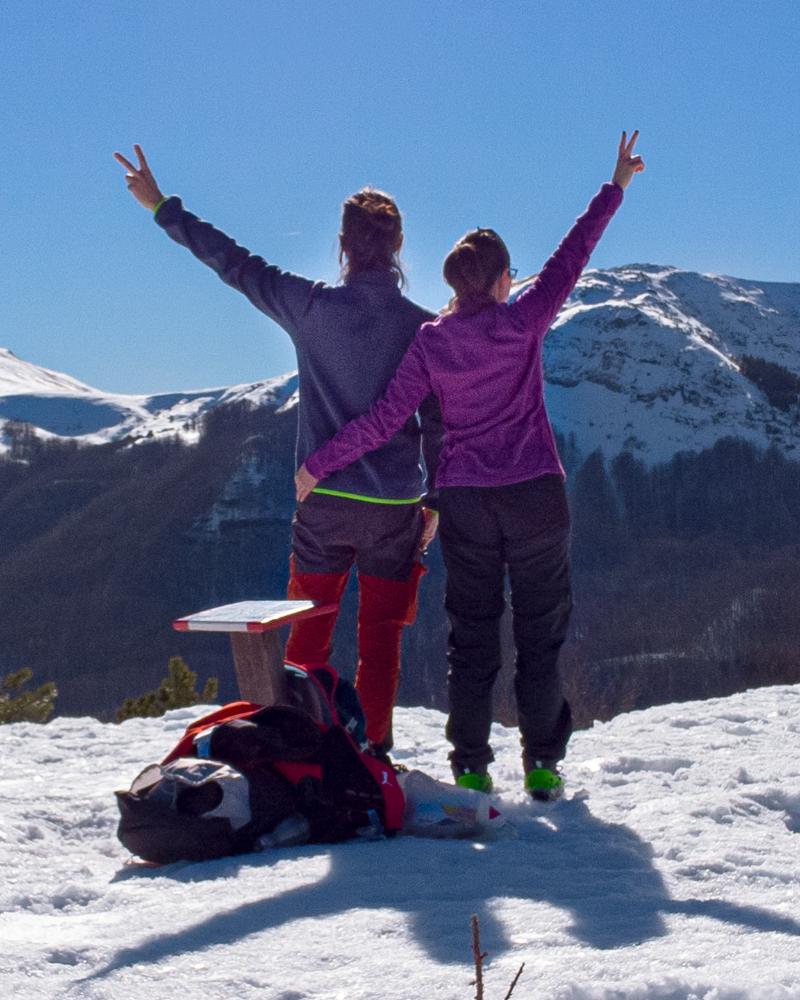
column 473, row 266
column 372, row 231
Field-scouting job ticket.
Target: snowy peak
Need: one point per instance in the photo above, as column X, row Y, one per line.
column 18, row 377
column 57, row 405
column 645, row 357
column 731, row 314
column 658, row 360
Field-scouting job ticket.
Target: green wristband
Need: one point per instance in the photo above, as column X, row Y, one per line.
column 155, row 210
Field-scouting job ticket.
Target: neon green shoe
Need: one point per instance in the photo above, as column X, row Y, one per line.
column 544, row 784
column 472, row 779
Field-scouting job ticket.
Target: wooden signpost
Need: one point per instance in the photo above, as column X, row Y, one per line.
column 257, row 648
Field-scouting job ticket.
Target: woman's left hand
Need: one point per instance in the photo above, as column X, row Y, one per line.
column 627, row 163
column 304, row 483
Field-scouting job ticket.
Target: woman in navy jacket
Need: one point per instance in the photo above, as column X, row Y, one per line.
column 349, row 339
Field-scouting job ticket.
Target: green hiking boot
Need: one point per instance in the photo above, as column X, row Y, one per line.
column 544, row 784
column 472, row 779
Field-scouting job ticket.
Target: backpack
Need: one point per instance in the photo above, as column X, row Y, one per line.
column 241, row 771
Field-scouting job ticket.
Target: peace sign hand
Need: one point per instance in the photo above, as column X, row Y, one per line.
column 141, row 183
column 627, row 163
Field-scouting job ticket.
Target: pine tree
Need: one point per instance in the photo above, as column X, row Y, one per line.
column 25, row 706
column 177, row 690
column 633, row 485
column 597, row 535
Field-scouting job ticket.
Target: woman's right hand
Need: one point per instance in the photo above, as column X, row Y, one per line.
column 304, row 483
column 141, row 183
column 627, row 163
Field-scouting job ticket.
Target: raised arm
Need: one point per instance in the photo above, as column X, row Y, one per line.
column 409, row 385
column 541, row 302
column 284, row 297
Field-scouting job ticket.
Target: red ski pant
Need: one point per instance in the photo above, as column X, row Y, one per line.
column 330, row 535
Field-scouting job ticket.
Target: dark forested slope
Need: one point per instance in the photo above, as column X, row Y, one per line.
column 687, row 574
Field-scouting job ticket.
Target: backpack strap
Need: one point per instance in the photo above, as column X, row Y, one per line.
column 233, row 710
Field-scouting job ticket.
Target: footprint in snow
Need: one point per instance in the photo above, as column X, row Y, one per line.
column 778, row 800
column 658, row 765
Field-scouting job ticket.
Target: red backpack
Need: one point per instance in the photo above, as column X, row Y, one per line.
column 239, row 772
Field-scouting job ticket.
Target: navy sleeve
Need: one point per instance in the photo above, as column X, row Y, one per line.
column 283, row 296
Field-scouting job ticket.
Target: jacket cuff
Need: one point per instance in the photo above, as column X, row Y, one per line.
column 167, row 211
column 314, row 467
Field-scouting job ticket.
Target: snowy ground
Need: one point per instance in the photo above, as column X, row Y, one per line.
column 670, row 872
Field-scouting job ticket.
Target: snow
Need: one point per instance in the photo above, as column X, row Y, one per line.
column 19, row 376
column 647, row 358
column 670, row 871
column 58, row 405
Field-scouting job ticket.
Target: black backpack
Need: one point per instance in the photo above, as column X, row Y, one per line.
column 242, row 771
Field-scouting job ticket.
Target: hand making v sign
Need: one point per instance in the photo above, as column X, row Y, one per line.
column 627, row 163
column 141, row 183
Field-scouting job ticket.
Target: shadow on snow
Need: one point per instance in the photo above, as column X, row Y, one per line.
column 602, row 874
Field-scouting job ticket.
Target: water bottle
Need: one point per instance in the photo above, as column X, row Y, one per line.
column 437, row 809
column 293, row 830
column 373, row 830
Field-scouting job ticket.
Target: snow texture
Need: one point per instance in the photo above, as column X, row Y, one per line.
column 60, row 406
column 669, row 872
column 647, row 358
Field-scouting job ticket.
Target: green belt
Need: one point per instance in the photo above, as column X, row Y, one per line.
column 357, row 496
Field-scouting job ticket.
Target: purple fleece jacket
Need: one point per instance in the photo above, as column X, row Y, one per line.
column 486, row 371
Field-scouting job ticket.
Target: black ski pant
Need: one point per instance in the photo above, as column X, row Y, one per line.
column 485, row 530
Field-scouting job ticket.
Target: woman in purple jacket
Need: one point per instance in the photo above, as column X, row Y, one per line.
column 502, row 501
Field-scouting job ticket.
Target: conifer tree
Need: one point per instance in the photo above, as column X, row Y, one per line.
column 177, row 690
column 17, row 705
column 596, row 531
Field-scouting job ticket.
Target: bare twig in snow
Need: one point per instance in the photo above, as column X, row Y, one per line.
column 478, row 956
column 514, row 982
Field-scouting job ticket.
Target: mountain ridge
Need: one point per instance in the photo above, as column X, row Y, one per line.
column 647, row 358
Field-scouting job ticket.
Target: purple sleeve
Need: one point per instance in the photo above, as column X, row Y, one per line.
column 539, row 305
column 410, row 384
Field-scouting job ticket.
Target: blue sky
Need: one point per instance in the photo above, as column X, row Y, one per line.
column 263, row 116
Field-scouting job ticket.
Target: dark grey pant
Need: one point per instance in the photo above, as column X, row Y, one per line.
column 523, row 528
column 330, row 533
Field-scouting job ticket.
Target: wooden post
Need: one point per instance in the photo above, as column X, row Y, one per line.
column 255, row 641
column 258, row 659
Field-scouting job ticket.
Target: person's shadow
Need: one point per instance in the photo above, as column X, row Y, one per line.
column 602, row 874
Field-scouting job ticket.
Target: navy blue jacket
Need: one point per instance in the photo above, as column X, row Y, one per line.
column 349, row 340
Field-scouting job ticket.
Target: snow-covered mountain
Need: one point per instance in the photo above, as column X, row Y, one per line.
column 649, row 359
column 646, row 358
column 58, row 405
column 668, row 873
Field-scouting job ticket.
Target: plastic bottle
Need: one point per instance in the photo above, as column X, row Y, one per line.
column 436, row 809
column 293, row 830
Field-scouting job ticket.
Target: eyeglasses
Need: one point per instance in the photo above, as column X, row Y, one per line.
column 512, row 272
